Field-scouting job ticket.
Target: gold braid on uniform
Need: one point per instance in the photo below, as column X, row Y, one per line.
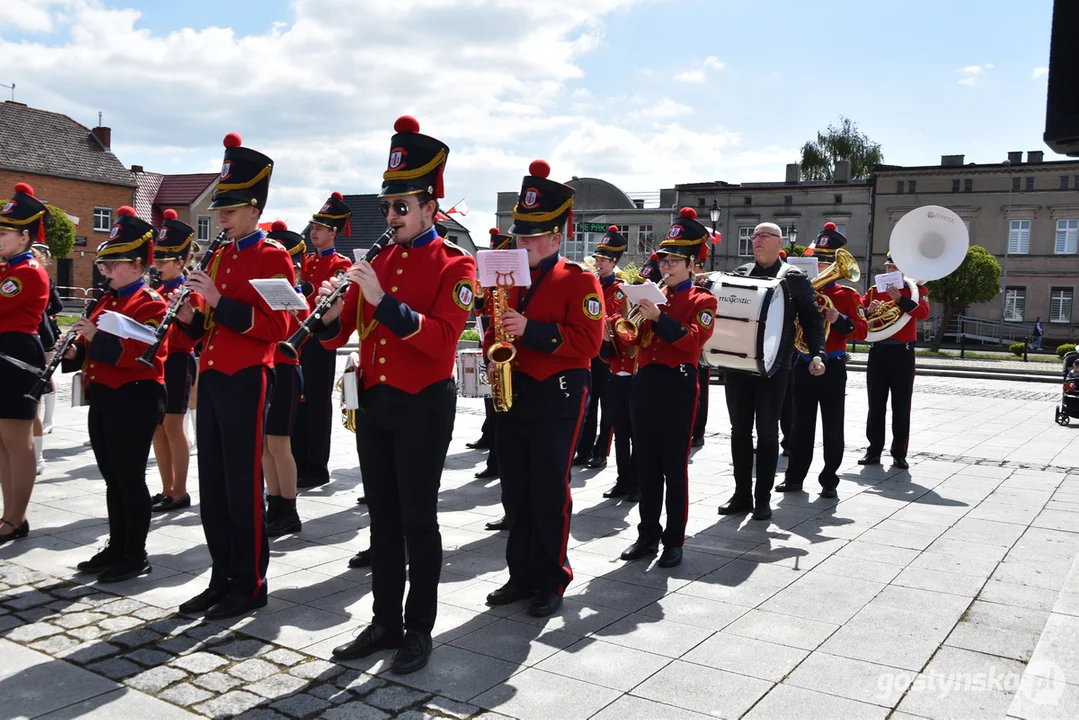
column 208, row 321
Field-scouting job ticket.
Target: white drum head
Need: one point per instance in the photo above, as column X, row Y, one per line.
column 773, row 329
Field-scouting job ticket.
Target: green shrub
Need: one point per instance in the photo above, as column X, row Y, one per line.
column 1018, row 349
column 1064, row 349
column 470, row 334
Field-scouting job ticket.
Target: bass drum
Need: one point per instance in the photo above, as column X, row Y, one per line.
column 749, row 323
column 472, row 374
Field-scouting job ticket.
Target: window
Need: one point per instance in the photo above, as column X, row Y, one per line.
column 1064, row 182
column 1067, row 230
column 1060, row 305
column 913, row 187
column 1075, row 185
column 899, row 187
column 747, row 200
column 1015, row 184
column 966, row 221
column 700, row 202
column 788, row 199
column 838, row 198
column 955, row 185
column 1030, row 183
column 204, row 228
column 1015, row 304
column 644, row 239
column 745, row 242
column 1019, row 237
column 842, row 228
column 787, row 230
column 102, row 219
column 968, row 185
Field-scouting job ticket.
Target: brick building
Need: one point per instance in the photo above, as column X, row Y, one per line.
column 72, row 167
column 188, row 194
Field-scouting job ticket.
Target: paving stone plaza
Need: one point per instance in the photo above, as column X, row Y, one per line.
column 949, row 591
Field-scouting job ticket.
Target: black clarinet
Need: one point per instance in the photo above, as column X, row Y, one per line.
column 58, row 356
column 291, row 348
column 148, row 355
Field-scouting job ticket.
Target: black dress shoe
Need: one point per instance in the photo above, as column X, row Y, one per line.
column 235, row 605
column 105, row 559
column 639, row 549
column 203, row 601
column 736, row 506
column 545, row 604
column 671, row 557
column 125, row 570
column 829, row 493
column 21, row 530
column 361, row 559
column 581, row 460
column 371, row 640
column 762, row 512
column 311, row 482
column 481, row 444
column 900, row 463
column 166, row 504
column 157, row 498
column 634, row 496
column 597, row 463
column 413, row 653
column 509, row 593
column 619, row 490
column 697, row 442
column 486, row 473
column 869, row 458
column 786, row 487
column 361, row 500
column 500, row 524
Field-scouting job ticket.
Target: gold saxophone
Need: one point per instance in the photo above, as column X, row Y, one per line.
column 501, row 353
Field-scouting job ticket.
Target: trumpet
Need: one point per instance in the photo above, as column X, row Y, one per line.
column 629, row 327
column 844, row 266
column 291, row 348
column 58, row 357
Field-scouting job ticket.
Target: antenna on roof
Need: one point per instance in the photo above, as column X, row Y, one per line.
column 99, row 118
column 12, row 88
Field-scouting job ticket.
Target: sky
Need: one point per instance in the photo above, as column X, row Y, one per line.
column 642, row 93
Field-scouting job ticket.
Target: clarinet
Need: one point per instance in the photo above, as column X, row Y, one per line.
column 58, row 356
column 291, row 348
column 148, row 355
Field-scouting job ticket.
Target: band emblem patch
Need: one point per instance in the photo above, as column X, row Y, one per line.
column 11, row 287
column 463, row 294
column 705, row 317
column 593, row 306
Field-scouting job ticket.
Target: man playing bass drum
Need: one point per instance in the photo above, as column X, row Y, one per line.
column 891, row 371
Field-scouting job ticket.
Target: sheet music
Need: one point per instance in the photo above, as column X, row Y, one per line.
column 125, row 328
column 644, row 291
column 279, row 294
column 808, row 265
column 503, row 267
column 893, row 279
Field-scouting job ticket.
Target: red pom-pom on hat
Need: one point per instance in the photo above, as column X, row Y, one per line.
column 233, row 140
column 24, row 188
column 688, row 212
column 782, row 254
column 170, row 214
column 337, row 196
column 539, row 168
column 830, row 226
column 126, row 210
column 654, row 257
column 406, row 124
column 495, row 231
column 612, row 229
column 278, row 225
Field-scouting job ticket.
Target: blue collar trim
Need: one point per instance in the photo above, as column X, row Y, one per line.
column 16, row 260
column 682, row 286
column 249, row 240
column 129, row 290
column 173, row 284
column 547, row 262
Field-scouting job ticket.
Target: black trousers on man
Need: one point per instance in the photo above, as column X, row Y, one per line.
column 314, row 418
column 828, row 392
column 230, row 427
column 752, row 398
column 616, row 403
column 704, row 379
column 536, row 440
column 890, row 371
column 402, row 441
column 589, row 445
column 121, row 427
column 663, row 406
column 786, row 414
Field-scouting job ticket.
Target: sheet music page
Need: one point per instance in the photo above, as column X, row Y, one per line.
column 279, row 294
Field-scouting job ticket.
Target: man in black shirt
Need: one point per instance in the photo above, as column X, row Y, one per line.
column 756, row 397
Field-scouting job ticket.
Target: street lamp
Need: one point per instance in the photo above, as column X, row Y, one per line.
column 713, row 214
column 792, row 237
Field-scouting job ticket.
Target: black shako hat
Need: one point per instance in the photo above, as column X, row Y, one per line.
column 687, row 237
column 335, row 215
column 416, row 161
column 131, row 238
column 544, row 206
column 500, row 241
column 828, row 241
column 291, row 241
column 612, row 245
column 25, row 212
column 174, row 239
column 245, row 177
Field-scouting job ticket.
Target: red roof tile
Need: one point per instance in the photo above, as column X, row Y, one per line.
column 183, row 189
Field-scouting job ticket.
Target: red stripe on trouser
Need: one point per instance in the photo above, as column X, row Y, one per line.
column 260, row 417
column 689, row 449
column 566, row 504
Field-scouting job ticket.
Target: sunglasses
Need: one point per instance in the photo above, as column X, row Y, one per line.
column 400, row 207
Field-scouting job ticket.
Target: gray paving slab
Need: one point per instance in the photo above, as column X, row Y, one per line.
column 705, row 690
column 787, row 702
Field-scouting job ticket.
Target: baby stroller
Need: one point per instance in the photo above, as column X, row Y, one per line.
column 1069, row 402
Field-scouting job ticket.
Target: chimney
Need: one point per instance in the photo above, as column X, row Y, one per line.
column 137, row 169
column 104, row 136
column 1015, row 157
column 794, row 172
column 638, row 203
column 12, row 102
column 951, row 160
column 842, row 171
column 1035, row 156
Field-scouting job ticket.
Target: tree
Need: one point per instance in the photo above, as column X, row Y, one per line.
column 976, row 280
column 840, row 143
column 60, row 234
column 795, row 250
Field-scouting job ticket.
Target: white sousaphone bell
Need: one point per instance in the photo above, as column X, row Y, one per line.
column 927, row 243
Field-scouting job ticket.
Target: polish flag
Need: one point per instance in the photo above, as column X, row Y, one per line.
column 460, row 208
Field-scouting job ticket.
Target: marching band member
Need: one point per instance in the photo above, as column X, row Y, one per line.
column 49, row 333
column 650, row 271
column 557, row 323
column 171, row 445
column 127, row 399
column 24, row 295
column 239, row 333
column 704, row 382
column 891, row 371
column 751, row 397
column 664, row 399
column 416, row 297
column 847, row 320
column 314, row 420
column 278, row 464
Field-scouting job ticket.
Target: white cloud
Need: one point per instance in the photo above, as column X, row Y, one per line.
column 1040, row 72
column 690, row 76
column 972, row 74
column 700, row 74
column 664, row 109
column 714, row 63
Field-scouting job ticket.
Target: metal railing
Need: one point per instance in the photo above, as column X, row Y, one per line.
column 975, row 329
column 74, row 298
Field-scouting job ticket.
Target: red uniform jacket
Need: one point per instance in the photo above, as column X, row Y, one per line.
column 242, row 331
column 684, row 326
column 410, row 340
column 565, row 320
column 917, row 311
column 113, row 362
column 851, row 321
column 294, row 321
column 24, row 294
column 321, row 267
column 178, row 340
column 619, row 356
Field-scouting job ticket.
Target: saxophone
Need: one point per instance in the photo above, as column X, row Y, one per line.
column 501, row 353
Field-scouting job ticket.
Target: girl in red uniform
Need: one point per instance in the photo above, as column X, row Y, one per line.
column 171, row 445
column 24, row 293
